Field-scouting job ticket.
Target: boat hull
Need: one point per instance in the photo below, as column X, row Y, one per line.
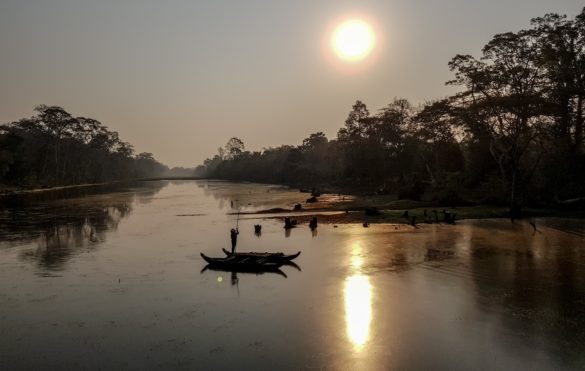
column 271, row 256
column 249, row 263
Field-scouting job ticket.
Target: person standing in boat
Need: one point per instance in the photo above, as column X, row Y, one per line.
column 234, row 235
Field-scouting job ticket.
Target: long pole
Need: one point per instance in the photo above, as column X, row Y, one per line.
column 238, row 219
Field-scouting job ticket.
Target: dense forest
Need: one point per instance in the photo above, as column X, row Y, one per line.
column 54, row 148
column 513, row 134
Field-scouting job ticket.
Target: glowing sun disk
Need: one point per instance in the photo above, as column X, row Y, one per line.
column 353, row 40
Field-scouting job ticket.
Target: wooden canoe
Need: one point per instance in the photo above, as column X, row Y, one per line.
column 272, row 256
column 244, row 262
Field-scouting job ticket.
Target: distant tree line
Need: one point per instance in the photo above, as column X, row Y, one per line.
column 513, row 134
column 54, row 148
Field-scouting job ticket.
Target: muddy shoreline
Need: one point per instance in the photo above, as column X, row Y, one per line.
column 331, row 209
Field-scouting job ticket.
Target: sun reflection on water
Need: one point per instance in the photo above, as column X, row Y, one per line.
column 358, row 302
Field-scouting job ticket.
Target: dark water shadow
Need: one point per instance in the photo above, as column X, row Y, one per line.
column 243, row 271
column 534, row 284
column 293, row 265
column 59, row 224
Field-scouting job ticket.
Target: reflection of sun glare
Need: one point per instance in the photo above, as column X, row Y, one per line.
column 356, row 259
column 358, row 302
column 353, row 40
column 358, row 309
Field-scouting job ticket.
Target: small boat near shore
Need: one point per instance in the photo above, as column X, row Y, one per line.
column 272, row 256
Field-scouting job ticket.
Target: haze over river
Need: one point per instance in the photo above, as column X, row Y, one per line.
column 112, row 279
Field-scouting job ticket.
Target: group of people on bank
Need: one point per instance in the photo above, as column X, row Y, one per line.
column 288, row 224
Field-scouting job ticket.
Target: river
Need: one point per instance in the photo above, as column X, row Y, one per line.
column 113, row 279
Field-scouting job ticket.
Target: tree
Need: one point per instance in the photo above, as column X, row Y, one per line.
column 391, row 137
column 356, row 123
column 561, row 51
column 504, row 86
column 435, row 129
column 54, row 148
column 314, row 141
column 234, row 148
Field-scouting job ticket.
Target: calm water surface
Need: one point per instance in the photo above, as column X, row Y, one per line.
column 113, row 280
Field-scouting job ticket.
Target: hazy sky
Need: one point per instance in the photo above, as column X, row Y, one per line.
column 178, row 78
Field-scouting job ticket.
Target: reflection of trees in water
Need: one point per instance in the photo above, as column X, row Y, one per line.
column 144, row 192
column 536, row 284
column 217, row 189
column 234, row 195
column 27, row 199
column 61, row 228
column 62, row 238
column 229, row 195
column 532, row 284
column 526, row 283
column 404, row 250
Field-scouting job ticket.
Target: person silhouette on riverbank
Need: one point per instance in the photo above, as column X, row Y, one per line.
column 257, row 230
column 234, row 235
column 313, row 223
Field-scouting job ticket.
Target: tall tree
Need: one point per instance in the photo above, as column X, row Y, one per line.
column 505, row 86
column 234, row 148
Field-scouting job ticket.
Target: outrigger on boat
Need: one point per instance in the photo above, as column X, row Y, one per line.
column 276, row 256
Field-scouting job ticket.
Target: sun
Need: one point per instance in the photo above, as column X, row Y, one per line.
column 353, row 40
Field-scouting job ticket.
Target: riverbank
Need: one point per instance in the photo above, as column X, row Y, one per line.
column 339, row 209
column 10, row 190
column 336, row 207
column 348, row 198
